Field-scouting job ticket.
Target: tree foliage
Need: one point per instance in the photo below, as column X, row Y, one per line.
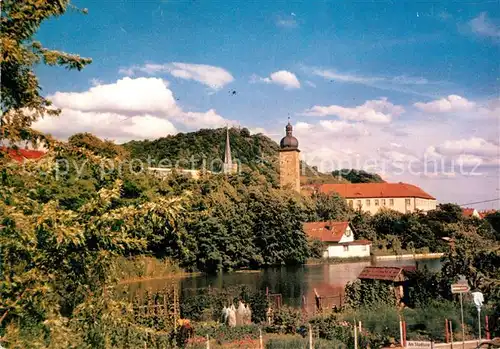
column 362, row 293
column 493, row 218
column 22, row 101
column 105, row 148
column 357, row 176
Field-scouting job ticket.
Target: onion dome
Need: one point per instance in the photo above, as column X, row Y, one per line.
column 289, row 141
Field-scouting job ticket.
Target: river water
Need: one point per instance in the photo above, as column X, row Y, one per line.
column 291, row 282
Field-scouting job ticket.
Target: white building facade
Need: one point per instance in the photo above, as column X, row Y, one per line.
column 339, row 239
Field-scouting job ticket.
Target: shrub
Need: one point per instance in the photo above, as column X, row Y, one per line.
column 369, row 292
column 332, row 327
column 379, row 319
column 301, row 343
column 224, row 334
column 285, row 320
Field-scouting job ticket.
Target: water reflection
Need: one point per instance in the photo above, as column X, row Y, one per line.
column 291, row 282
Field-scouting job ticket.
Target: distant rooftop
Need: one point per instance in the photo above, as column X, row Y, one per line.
column 20, row 155
column 385, row 273
column 374, row 190
column 329, row 231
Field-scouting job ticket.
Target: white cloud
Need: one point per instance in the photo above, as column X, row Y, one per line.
column 334, row 75
column 95, row 82
column 127, row 109
column 404, row 84
column 342, row 127
column 378, row 111
column 106, row 125
column 452, row 103
column 484, row 26
column 310, row 83
column 282, row 77
column 471, row 146
column 209, row 75
column 302, row 126
column 209, row 119
column 126, row 96
column 288, row 22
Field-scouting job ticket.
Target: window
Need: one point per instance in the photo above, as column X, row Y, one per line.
column 351, row 203
column 358, row 202
column 383, row 202
column 376, row 202
column 391, row 202
column 368, row 202
column 408, row 202
column 346, row 248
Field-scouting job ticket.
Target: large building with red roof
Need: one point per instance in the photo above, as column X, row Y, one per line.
column 371, row 197
column 338, row 238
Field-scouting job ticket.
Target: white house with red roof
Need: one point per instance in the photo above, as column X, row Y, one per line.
column 338, row 238
column 371, row 197
column 471, row 212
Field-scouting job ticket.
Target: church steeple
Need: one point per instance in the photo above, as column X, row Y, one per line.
column 228, row 159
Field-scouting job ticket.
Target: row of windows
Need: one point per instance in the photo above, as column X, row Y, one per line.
column 376, row 202
column 346, row 248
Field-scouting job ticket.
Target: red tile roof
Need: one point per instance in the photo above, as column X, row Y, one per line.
column 20, row 155
column 326, row 231
column 383, row 273
column 487, row 212
column 467, row 212
column 374, row 190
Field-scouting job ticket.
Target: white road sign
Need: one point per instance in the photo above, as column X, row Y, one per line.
column 418, row 345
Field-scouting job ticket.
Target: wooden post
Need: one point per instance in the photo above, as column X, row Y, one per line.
column 446, row 331
column 355, row 335
column 310, row 337
column 401, row 331
column 451, row 333
column 487, row 327
column 404, row 333
column 208, row 342
column 360, row 328
column 261, row 344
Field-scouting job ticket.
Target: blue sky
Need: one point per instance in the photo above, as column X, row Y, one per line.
column 383, row 81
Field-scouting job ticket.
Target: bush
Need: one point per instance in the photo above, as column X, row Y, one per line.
column 316, row 248
column 286, row 320
column 332, row 327
column 223, row 334
column 301, row 343
column 379, row 319
column 369, row 292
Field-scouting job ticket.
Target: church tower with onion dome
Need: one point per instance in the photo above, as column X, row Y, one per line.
column 289, row 160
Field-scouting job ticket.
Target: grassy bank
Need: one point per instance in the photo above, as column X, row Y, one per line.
column 135, row 269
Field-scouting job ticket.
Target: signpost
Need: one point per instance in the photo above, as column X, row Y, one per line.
column 418, row 345
column 478, row 301
column 461, row 287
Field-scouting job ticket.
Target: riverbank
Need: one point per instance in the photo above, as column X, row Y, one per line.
column 380, row 258
column 409, row 256
column 319, row 261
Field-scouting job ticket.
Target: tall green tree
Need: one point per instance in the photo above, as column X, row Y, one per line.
column 331, row 207
column 22, row 101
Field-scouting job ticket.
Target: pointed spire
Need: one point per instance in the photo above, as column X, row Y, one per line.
column 228, row 159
